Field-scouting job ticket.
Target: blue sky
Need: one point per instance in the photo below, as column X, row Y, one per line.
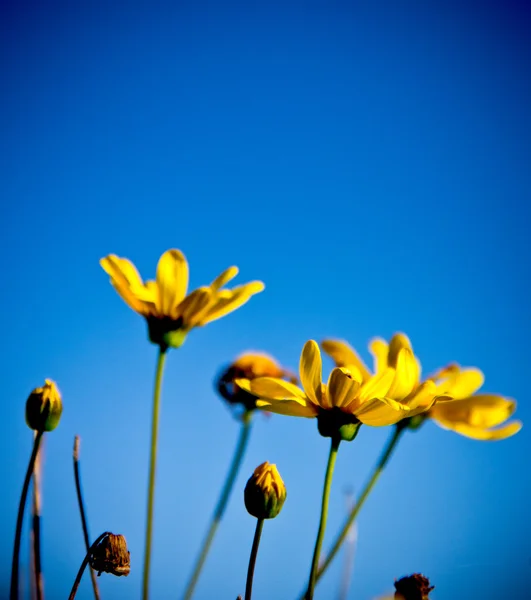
column 371, row 165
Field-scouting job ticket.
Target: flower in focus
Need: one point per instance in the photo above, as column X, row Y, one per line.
column 406, row 387
column 477, row 416
column 265, row 492
column 340, row 405
column 44, row 407
column 249, row 365
column 170, row 312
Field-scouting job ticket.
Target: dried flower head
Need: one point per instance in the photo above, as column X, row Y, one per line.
column 413, row 587
column 111, row 556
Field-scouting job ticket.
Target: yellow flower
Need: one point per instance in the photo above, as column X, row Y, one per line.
column 406, row 387
column 169, row 311
column 44, row 407
column 346, row 400
column 249, row 365
column 265, row 492
column 477, row 416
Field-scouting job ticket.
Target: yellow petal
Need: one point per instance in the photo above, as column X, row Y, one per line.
column 229, row 300
column 125, row 280
column 482, row 410
column 398, row 342
column 288, row 407
column 406, row 376
column 477, row 433
column 224, row 278
column 273, row 388
column 380, row 412
column 345, row 356
column 377, row 386
column 172, row 281
column 193, row 306
column 379, row 349
column 342, row 388
column 310, row 370
column 461, row 383
column 422, row 399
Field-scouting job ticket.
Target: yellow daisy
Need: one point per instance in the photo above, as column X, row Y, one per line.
column 477, row 416
column 406, row 387
column 170, row 312
column 346, row 400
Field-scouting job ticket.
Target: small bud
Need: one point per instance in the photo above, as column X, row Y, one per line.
column 44, row 407
column 265, row 492
column 413, row 587
column 111, row 556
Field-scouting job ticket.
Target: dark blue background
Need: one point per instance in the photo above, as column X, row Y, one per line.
column 368, row 162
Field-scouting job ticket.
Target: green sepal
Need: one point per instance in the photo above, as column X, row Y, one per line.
column 335, row 423
column 165, row 332
column 41, row 414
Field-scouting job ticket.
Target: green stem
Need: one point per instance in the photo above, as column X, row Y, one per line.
column 252, row 558
column 384, row 459
column 222, row 502
column 152, row 467
column 36, row 526
column 324, row 513
column 77, row 477
column 84, row 564
column 13, row 595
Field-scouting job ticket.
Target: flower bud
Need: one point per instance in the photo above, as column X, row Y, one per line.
column 111, row 556
column 44, row 407
column 265, row 492
column 413, row 587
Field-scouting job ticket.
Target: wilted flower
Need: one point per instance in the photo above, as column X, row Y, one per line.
column 476, row 416
column 347, row 400
column 413, row 587
column 265, row 492
column 249, row 365
column 44, row 407
column 169, row 311
column 111, row 556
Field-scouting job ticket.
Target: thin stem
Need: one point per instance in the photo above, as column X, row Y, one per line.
column 384, row 459
column 84, row 564
column 152, row 468
column 36, row 526
column 252, row 558
column 77, row 477
column 13, row 594
column 324, row 513
column 222, row 502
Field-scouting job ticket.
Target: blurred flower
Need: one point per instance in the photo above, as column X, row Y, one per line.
column 169, row 311
column 249, row 365
column 111, row 556
column 44, row 407
column 477, row 416
column 340, row 405
column 265, row 492
column 413, row 587
column 406, row 387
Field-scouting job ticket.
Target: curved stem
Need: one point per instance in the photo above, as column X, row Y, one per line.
column 36, row 526
column 152, row 468
column 84, row 564
column 222, row 502
column 84, row 524
column 324, row 513
column 252, row 558
column 384, row 459
column 13, row 594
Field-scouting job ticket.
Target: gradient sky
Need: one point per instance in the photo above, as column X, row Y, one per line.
column 371, row 166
